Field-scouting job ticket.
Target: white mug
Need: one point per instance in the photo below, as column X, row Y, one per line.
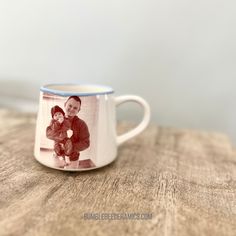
column 76, row 126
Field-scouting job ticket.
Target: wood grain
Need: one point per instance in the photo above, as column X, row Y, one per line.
column 185, row 178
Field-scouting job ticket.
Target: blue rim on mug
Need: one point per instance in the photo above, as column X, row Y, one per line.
column 104, row 89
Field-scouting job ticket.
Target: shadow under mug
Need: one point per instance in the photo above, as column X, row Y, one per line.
column 76, row 126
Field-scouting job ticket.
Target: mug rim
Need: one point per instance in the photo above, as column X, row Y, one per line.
column 105, row 89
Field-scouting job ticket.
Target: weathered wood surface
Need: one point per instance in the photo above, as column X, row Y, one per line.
column 185, row 178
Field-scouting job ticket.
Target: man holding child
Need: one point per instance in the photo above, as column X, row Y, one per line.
column 78, row 129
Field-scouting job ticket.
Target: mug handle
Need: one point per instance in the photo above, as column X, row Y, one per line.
column 142, row 125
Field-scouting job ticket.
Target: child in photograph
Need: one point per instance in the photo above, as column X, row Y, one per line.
column 57, row 131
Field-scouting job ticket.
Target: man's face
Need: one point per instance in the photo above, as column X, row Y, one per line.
column 72, row 107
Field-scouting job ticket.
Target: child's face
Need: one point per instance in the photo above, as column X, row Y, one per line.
column 58, row 115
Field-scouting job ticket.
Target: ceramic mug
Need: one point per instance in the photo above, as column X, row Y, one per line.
column 76, row 126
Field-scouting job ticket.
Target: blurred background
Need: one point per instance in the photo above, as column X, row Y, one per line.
column 179, row 55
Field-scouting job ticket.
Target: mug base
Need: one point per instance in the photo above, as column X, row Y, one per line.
column 71, row 168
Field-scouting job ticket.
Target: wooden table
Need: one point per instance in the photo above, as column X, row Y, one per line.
column 184, row 179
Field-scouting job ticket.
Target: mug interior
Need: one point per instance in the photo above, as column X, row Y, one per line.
column 70, row 89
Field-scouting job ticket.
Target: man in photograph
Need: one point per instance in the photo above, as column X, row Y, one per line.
column 80, row 133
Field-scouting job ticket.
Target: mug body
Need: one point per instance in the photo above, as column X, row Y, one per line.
column 76, row 127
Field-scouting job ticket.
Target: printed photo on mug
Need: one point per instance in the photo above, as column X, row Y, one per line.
column 69, row 134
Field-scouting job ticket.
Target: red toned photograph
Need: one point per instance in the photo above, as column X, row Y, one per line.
column 67, row 134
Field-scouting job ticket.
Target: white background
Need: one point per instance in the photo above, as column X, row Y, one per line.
column 180, row 55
